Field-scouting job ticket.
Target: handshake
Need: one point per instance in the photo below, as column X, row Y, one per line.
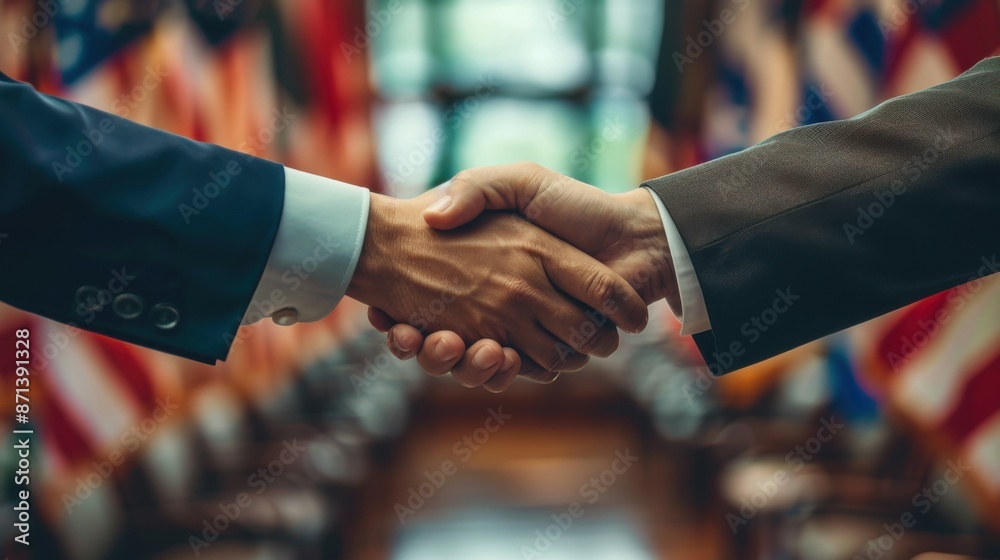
column 535, row 270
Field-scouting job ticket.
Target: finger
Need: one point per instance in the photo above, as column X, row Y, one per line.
column 380, row 319
column 440, row 352
column 503, row 378
column 597, row 287
column 586, row 332
column 539, row 345
column 506, row 187
column 481, row 361
column 404, row 341
column 534, row 372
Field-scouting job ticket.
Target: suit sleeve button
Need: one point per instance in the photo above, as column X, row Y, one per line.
column 127, row 306
column 285, row 317
column 88, row 300
column 165, row 316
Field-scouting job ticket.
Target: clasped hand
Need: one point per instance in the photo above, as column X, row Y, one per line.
column 520, row 288
column 536, row 304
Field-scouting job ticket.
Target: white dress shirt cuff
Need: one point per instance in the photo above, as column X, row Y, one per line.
column 693, row 314
column 315, row 251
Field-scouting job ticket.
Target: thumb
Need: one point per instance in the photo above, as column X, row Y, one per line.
column 457, row 207
column 468, row 194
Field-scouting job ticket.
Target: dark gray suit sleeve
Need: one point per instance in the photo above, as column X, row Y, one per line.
column 129, row 231
column 826, row 226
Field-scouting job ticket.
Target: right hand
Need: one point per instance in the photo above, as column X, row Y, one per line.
column 499, row 278
column 623, row 231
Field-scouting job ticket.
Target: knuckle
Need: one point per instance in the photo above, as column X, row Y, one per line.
column 521, row 291
column 530, row 166
column 538, row 243
column 463, row 179
column 601, row 287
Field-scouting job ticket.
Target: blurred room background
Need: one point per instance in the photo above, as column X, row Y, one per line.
column 882, row 442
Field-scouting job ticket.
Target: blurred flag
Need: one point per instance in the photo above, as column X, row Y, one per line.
column 938, row 363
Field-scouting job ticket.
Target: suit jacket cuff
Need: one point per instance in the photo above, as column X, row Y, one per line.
column 315, row 252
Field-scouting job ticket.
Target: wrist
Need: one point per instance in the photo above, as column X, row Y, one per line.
column 649, row 239
column 644, row 220
column 374, row 262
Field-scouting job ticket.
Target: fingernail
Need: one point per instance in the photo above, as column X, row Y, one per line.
column 484, row 359
column 443, row 352
column 441, row 205
column 395, row 343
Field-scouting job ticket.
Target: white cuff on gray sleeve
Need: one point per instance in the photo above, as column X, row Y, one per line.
column 693, row 314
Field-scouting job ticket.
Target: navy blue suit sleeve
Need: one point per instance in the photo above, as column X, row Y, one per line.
column 129, row 231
